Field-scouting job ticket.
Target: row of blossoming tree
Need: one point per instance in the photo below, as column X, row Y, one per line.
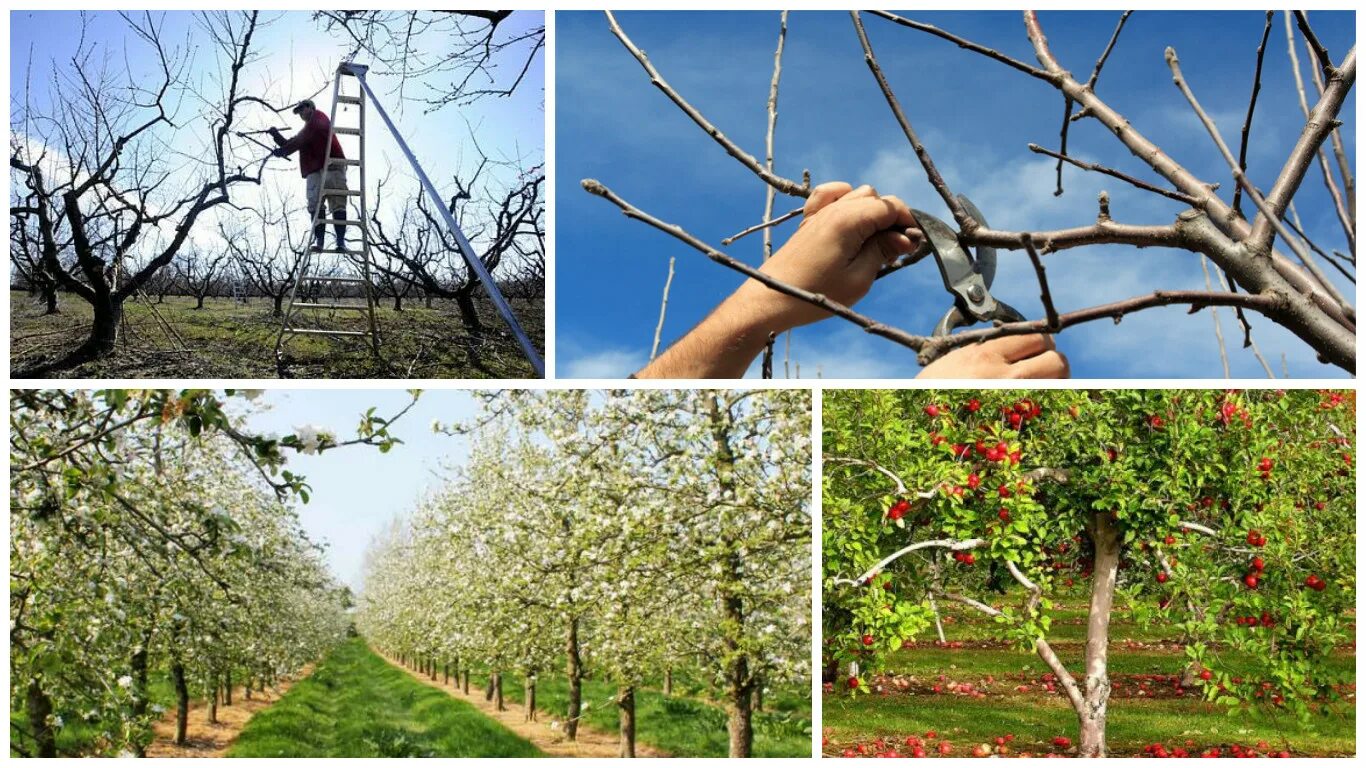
column 1227, row 515
column 152, row 537
column 623, row 537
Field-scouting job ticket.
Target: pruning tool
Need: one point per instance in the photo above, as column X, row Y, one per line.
column 967, row 278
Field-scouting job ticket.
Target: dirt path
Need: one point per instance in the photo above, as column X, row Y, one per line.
column 590, row 742
column 205, row 739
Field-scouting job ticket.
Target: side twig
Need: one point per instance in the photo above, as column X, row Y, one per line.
column 784, row 185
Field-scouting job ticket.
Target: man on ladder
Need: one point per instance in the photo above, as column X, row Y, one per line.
column 311, row 144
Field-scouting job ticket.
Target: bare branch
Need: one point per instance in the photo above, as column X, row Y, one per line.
column 764, row 225
column 1045, row 296
column 1143, row 185
column 965, row 221
column 663, row 307
column 1251, row 106
column 786, row 186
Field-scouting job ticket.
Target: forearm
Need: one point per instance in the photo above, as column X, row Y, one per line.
column 724, row 344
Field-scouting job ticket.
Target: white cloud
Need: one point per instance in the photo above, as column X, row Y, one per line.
column 601, row 364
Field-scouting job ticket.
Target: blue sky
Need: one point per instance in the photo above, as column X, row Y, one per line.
column 975, row 116
column 356, row 489
column 296, row 59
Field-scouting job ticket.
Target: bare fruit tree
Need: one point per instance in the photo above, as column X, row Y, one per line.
column 505, row 221
column 106, row 179
column 478, row 56
column 1254, row 274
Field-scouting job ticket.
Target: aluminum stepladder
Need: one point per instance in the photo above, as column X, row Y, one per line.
column 350, row 270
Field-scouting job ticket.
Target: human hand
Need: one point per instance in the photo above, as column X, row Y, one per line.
column 1008, row 357
column 845, row 237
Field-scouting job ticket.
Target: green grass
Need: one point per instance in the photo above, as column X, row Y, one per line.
column 1036, row 717
column 231, row 340
column 683, row 725
column 355, row 704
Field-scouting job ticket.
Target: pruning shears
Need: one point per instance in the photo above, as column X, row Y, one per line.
column 967, row 277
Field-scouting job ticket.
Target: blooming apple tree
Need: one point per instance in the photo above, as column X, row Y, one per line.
column 149, row 532
column 622, row 535
column 1228, row 515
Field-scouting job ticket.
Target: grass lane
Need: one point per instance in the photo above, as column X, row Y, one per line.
column 681, row 725
column 357, row 705
column 1036, row 717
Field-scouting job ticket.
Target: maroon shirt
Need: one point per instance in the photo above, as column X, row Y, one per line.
column 311, row 142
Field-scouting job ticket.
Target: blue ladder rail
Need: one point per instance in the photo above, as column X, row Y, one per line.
column 466, row 250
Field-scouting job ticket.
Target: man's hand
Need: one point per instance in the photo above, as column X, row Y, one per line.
column 845, row 237
column 1008, row 357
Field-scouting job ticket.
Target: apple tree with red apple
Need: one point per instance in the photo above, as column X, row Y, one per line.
column 1227, row 515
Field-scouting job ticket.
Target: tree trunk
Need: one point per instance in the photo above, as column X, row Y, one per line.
column 227, row 687
column 39, row 710
column 488, row 686
column 465, row 681
column 50, row 299
column 574, row 671
column 213, row 704
column 446, row 673
column 668, row 682
column 498, row 691
column 759, row 694
column 398, row 302
column 182, row 696
column 469, row 315
column 529, row 697
column 626, row 721
column 739, row 682
column 1096, row 690
column 139, row 665
column 199, row 301
column 277, row 305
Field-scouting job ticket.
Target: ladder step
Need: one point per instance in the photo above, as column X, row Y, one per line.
column 346, row 131
column 324, row 332
column 344, row 161
column 348, row 99
column 360, row 307
column 343, row 222
column 335, row 192
column 336, row 250
column 326, row 279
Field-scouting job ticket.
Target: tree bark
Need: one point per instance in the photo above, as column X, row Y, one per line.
column 182, row 695
column 49, row 293
column 469, row 315
column 199, row 301
column 498, row 691
column 139, row 665
column 277, row 305
column 39, row 710
column 488, row 686
column 739, row 682
column 668, row 682
column 446, row 673
column 213, row 702
column 465, row 680
column 227, row 687
column 398, row 302
column 529, row 697
column 574, row 670
column 626, row 721
column 1096, row 691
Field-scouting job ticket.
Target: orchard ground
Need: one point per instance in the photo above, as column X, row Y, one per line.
column 1147, row 707
column 228, row 339
column 358, row 705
